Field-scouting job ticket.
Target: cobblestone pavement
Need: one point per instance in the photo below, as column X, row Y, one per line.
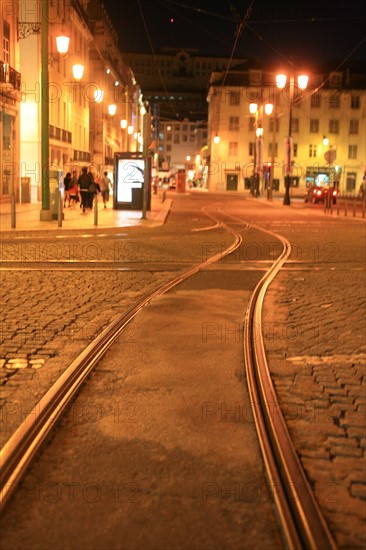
column 314, row 330
column 72, row 290
column 316, row 350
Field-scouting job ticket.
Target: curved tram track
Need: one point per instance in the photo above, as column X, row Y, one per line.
column 301, row 521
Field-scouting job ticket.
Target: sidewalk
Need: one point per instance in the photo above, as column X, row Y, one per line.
column 28, row 217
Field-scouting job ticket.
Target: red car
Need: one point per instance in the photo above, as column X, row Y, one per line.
column 316, row 193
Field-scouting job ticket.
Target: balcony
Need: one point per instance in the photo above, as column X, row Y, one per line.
column 59, row 134
column 8, row 75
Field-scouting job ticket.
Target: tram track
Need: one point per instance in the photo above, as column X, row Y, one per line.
column 300, row 518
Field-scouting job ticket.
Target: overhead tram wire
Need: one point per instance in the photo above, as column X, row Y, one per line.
column 267, row 21
column 156, row 63
column 239, row 29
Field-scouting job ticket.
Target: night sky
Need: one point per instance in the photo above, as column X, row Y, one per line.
column 277, row 31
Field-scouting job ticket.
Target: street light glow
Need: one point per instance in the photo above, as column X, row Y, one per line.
column 98, row 96
column 112, row 109
column 268, row 108
column 281, row 81
column 253, row 108
column 62, row 44
column 78, row 71
column 302, row 81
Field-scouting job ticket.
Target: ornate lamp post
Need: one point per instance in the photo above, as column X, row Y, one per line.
column 302, row 82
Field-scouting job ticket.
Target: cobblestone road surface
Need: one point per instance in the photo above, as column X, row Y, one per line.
column 314, row 330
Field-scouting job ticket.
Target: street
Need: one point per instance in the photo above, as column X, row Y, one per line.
column 184, row 439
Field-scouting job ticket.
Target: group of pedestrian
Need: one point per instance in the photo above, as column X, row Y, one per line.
column 85, row 188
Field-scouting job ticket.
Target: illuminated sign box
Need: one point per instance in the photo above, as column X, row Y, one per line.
column 131, row 171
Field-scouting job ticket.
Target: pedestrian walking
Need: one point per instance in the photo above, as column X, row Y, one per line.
column 74, row 193
column 93, row 189
column 67, row 181
column 84, row 184
column 105, row 186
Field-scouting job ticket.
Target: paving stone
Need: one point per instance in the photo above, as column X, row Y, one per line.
column 356, row 432
column 358, row 490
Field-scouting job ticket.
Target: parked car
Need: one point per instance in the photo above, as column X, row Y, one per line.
column 317, row 193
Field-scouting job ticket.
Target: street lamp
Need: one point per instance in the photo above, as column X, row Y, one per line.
column 302, row 82
column 257, row 110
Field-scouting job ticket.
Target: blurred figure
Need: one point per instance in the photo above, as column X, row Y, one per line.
column 67, row 181
column 74, row 193
column 84, row 184
column 92, row 189
column 105, row 186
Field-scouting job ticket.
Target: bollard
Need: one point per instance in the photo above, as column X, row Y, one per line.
column 13, row 212
column 345, row 208
column 363, row 207
column 96, row 210
column 337, row 208
column 354, row 208
column 59, row 209
column 331, row 206
column 163, row 196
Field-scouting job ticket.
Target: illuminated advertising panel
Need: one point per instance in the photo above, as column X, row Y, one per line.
column 132, row 179
column 130, row 175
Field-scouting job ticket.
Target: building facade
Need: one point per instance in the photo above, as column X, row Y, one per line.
column 10, row 82
column 82, row 128
column 175, row 81
column 333, row 106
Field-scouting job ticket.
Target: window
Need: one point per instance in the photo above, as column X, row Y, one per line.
column 295, row 125
column 274, row 122
column 274, row 149
column 184, row 137
column 234, row 98
column 169, row 137
column 233, row 148
column 251, row 149
column 355, row 102
column 6, row 42
column 334, row 126
column 312, row 150
column 184, row 127
column 353, row 126
column 177, row 127
column 251, row 123
column 192, row 137
column 168, row 147
column 234, row 123
column 352, row 151
column 334, row 101
column 350, row 182
column 314, row 125
column 255, row 77
column 336, row 80
column 315, row 100
column 295, row 149
column 176, row 139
